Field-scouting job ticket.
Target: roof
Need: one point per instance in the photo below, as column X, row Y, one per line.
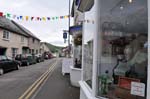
column 8, row 25
column 26, row 30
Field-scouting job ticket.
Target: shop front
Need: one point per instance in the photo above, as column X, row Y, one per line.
column 115, row 51
column 76, row 67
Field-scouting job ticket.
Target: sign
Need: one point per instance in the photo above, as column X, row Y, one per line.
column 74, row 29
column 138, row 89
column 65, row 35
column 66, row 63
column 125, row 82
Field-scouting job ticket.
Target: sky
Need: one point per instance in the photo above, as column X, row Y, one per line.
column 47, row 31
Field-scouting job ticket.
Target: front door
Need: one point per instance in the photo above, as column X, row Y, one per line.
column 3, row 51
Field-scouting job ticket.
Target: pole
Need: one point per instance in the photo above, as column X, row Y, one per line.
column 69, row 31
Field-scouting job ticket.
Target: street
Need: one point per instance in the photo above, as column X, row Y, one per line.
column 38, row 81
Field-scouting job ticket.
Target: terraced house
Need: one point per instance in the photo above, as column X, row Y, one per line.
column 12, row 39
column 33, row 41
column 16, row 39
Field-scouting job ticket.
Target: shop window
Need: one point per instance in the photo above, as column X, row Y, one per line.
column 123, row 57
column 88, row 40
column 77, row 50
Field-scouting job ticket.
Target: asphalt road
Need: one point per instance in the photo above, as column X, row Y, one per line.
column 51, row 84
column 13, row 84
column 57, row 86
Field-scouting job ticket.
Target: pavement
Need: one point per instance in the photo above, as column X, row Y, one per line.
column 57, row 86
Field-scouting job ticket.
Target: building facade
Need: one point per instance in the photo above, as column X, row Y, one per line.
column 33, row 41
column 116, row 49
column 44, row 48
column 12, row 40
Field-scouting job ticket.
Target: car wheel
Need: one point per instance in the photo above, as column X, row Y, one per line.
column 1, row 71
column 27, row 64
column 17, row 68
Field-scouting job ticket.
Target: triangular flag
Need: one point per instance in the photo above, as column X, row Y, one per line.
column 8, row 15
column 14, row 16
column 21, row 17
column 48, row 18
column 88, row 21
column 61, row 17
column 38, row 18
column 18, row 18
column 56, row 17
column 1, row 14
column 66, row 16
column 32, row 18
column 27, row 18
column 44, row 19
column 92, row 21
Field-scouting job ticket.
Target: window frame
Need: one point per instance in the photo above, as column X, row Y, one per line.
column 6, row 35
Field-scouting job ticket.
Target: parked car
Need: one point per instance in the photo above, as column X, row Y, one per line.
column 39, row 58
column 47, row 55
column 7, row 64
column 26, row 59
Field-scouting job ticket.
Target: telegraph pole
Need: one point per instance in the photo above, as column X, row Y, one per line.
column 69, row 31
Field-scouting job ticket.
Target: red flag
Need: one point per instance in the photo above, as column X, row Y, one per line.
column 1, row 13
column 38, row 18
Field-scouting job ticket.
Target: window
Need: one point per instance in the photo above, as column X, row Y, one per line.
column 32, row 51
column 14, row 52
column 123, row 56
column 89, row 31
column 78, row 49
column 6, row 34
column 33, row 40
column 22, row 39
column 36, row 51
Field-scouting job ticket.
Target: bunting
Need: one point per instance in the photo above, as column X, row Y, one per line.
column 32, row 18
column 38, row 18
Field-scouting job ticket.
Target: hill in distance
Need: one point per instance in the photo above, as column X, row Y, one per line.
column 54, row 48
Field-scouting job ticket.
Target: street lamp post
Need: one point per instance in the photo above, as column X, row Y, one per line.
column 69, row 31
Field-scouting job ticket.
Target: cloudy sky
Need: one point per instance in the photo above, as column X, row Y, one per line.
column 49, row 31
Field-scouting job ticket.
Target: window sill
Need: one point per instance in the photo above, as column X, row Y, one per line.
column 6, row 39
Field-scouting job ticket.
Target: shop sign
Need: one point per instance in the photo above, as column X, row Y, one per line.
column 75, row 29
column 138, row 89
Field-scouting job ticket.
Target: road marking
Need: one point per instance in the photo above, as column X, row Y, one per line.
column 28, row 93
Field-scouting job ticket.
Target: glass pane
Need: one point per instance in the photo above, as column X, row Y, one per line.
column 89, row 31
column 123, row 48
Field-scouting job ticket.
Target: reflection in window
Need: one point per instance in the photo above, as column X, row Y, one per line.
column 78, row 50
column 89, row 30
column 123, row 58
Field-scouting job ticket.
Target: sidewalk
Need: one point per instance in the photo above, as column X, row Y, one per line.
column 58, row 87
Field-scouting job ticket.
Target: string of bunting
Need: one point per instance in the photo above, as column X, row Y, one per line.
column 87, row 21
column 36, row 18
